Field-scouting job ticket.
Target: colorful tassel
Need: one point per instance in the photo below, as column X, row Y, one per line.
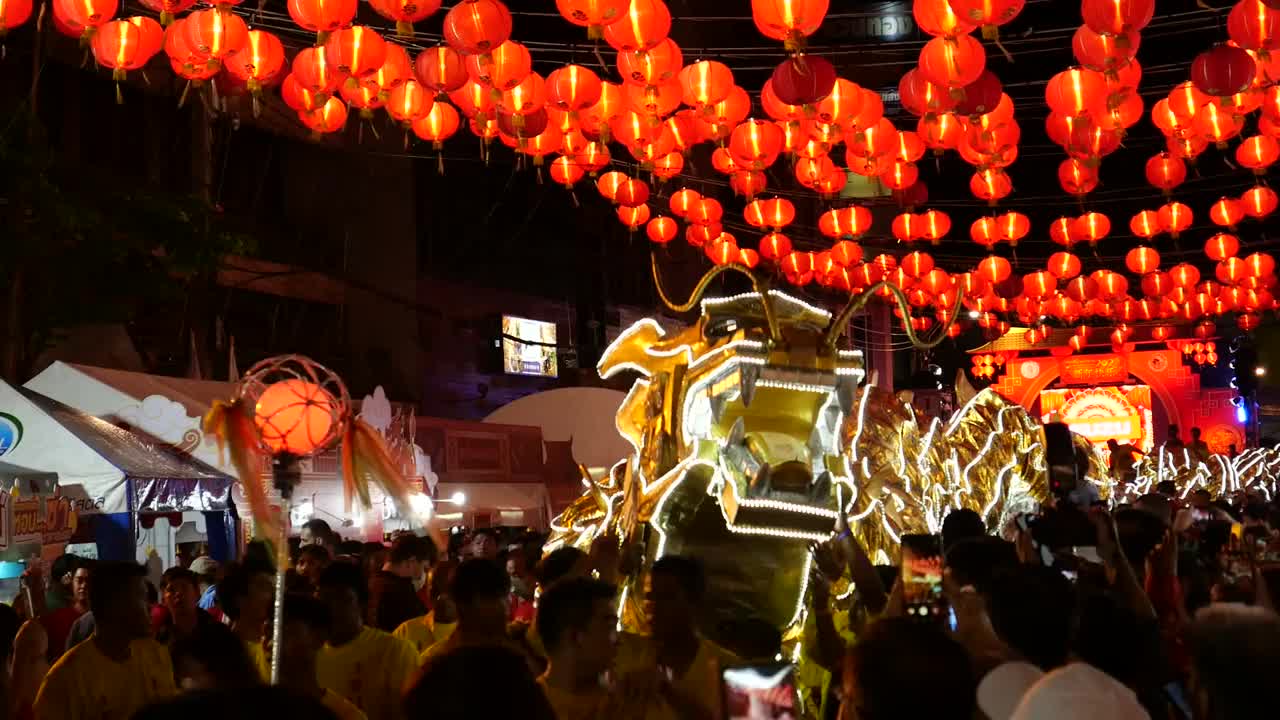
column 233, row 428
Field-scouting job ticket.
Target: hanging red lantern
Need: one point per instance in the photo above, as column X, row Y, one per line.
column 1174, row 218
column 921, row 97
column 702, row 235
column 990, row 185
column 668, row 166
column 722, row 250
column 1226, row 212
column 214, row 33
column 661, row 230
column 357, row 51
column 645, row 25
column 802, row 81
column 1013, row 227
column 1165, row 172
column 952, row 62
column 656, row 66
column 566, row 172
column 313, row 72
column 1217, row 125
column 572, row 88
column 917, row 263
column 906, row 227
column 593, row 15
column 1254, row 26
column 988, row 14
column 502, row 68
column 328, row 118
column 1146, row 224
column 1076, row 177
column 900, row 175
column 1223, row 70
column 84, row 15
column 748, row 183
column 633, row 217
column 790, row 21
column 938, row 18
column 994, row 269
column 1091, row 227
column 437, row 125
column 1184, row 275
column 324, row 16
column 1258, row 153
column 259, row 63
column 682, row 201
column 1258, row 201
column 846, row 253
column 631, row 193
column 475, row 27
column 755, row 144
column 1064, row 265
column 985, row 231
column 408, row 102
column 405, row 13
column 981, row 96
column 940, row 132
column 1222, row 246
column 116, row 45
column 1117, row 17
column 1103, row 52
column 704, row 211
column 1142, row 260
column 705, row 83
column 1231, row 270
column 440, row 69
column 1076, row 91
column 775, row 246
column 1260, row 264
column 526, row 98
column 1082, row 289
column 13, row 13
column 1062, row 231
column 845, row 223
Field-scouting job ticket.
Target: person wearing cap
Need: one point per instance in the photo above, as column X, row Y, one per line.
column 206, row 569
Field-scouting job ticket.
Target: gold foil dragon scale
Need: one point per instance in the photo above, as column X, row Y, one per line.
column 752, row 430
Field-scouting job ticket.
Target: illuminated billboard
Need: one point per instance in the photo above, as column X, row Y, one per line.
column 528, row 347
column 1119, row 412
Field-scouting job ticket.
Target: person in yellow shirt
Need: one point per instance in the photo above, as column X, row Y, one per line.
column 578, row 628
column 365, row 665
column 306, row 628
column 680, row 665
column 119, row 669
column 436, row 626
column 479, row 590
column 246, row 595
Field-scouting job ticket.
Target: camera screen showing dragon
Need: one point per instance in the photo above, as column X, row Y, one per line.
column 753, row 428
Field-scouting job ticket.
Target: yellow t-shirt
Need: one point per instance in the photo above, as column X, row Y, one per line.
column 258, row 656
column 423, row 631
column 370, row 671
column 85, row 684
column 700, row 682
column 341, row 707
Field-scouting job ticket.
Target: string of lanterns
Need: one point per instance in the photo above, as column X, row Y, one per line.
column 572, row 121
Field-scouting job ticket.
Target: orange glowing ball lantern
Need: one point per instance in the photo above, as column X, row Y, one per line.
column 994, row 269
column 1082, row 289
column 502, row 68
column 566, row 171
column 295, row 417
column 990, row 185
column 1217, row 125
column 1091, row 227
column 572, row 88
column 1260, row 264
column 357, row 51
column 789, row 21
column 437, row 125
column 441, row 69
column 702, row 235
column 215, row 34
column 1076, row 177
column 917, row 264
column 952, row 62
column 1062, row 231
column 906, row 227
column 1174, row 218
column 755, row 144
column 1142, row 260
column 1226, row 212
column 324, row 16
column 260, row 62
column 13, row 13
column 1102, row 52
column 921, row 97
column 775, row 246
column 633, row 217
column 1166, row 172
column 985, row 231
column 655, row 66
column 1259, row 201
column 1184, row 275
column 593, row 15
column 1064, row 265
column 476, row 27
column 1258, row 153
column 1222, row 246
column 645, row 25
column 1117, row 17
column 662, row 230
column 1076, row 91
column 405, row 13
column 1254, row 25
column 1146, row 224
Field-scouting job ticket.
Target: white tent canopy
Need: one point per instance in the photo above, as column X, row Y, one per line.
column 586, row 415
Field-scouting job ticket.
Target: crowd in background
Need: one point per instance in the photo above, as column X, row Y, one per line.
column 1166, row 611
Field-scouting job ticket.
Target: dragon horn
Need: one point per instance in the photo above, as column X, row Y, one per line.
column 856, row 303
column 756, row 284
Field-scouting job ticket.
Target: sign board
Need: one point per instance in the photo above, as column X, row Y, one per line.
column 1094, row 370
column 33, row 519
column 1121, row 413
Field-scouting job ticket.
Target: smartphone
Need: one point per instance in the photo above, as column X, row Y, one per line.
column 763, row 691
column 922, row 577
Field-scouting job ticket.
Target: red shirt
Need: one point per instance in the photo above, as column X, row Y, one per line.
column 521, row 609
column 57, row 625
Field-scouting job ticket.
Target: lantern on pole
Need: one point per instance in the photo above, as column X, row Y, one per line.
column 286, row 409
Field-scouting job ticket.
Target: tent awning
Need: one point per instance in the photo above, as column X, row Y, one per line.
column 160, row 479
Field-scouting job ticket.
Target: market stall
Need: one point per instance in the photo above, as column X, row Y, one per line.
column 35, row 524
column 110, row 476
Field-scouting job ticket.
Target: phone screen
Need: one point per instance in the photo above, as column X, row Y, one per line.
column 759, row 692
column 922, row 576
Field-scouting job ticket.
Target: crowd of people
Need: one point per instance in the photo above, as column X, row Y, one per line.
column 1168, row 614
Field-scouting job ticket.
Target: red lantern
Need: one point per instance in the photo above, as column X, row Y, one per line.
column 952, row 62
column 994, row 269
column 405, row 12
column 1062, row 231
column 1013, row 227
column 661, row 230
column 845, row 223
column 1222, row 246
column 1223, row 70
column 295, row 417
column 215, row 33
column 1217, row 125
column 1117, row 17
column 1258, row 201
column 755, row 144
column 1174, row 218
column 775, row 246
column 1076, row 91
column 526, row 98
column 593, row 14
column 1103, row 52
column 705, row 83
column 937, row 17
column 985, row 231
column 475, row 27
column 502, row 68
column 441, row 69
column 1142, row 260
column 645, row 25
column 1091, row 227
column 566, row 172
column 988, row 14
column 1146, row 224
column 921, row 97
column 803, row 81
column 572, row 88
column 705, row 211
column 940, row 132
column 1076, row 177
column 1184, row 275
column 1257, row 153
column 438, row 125
column 1166, row 172
column 1260, row 264
column 990, row 185
column 1082, row 289
column 1254, row 26
column 1064, row 265
column 357, row 51
column 655, row 66
column 682, row 201
column 981, row 96
column 324, row 16
column 790, row 21
column 1226, row 212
